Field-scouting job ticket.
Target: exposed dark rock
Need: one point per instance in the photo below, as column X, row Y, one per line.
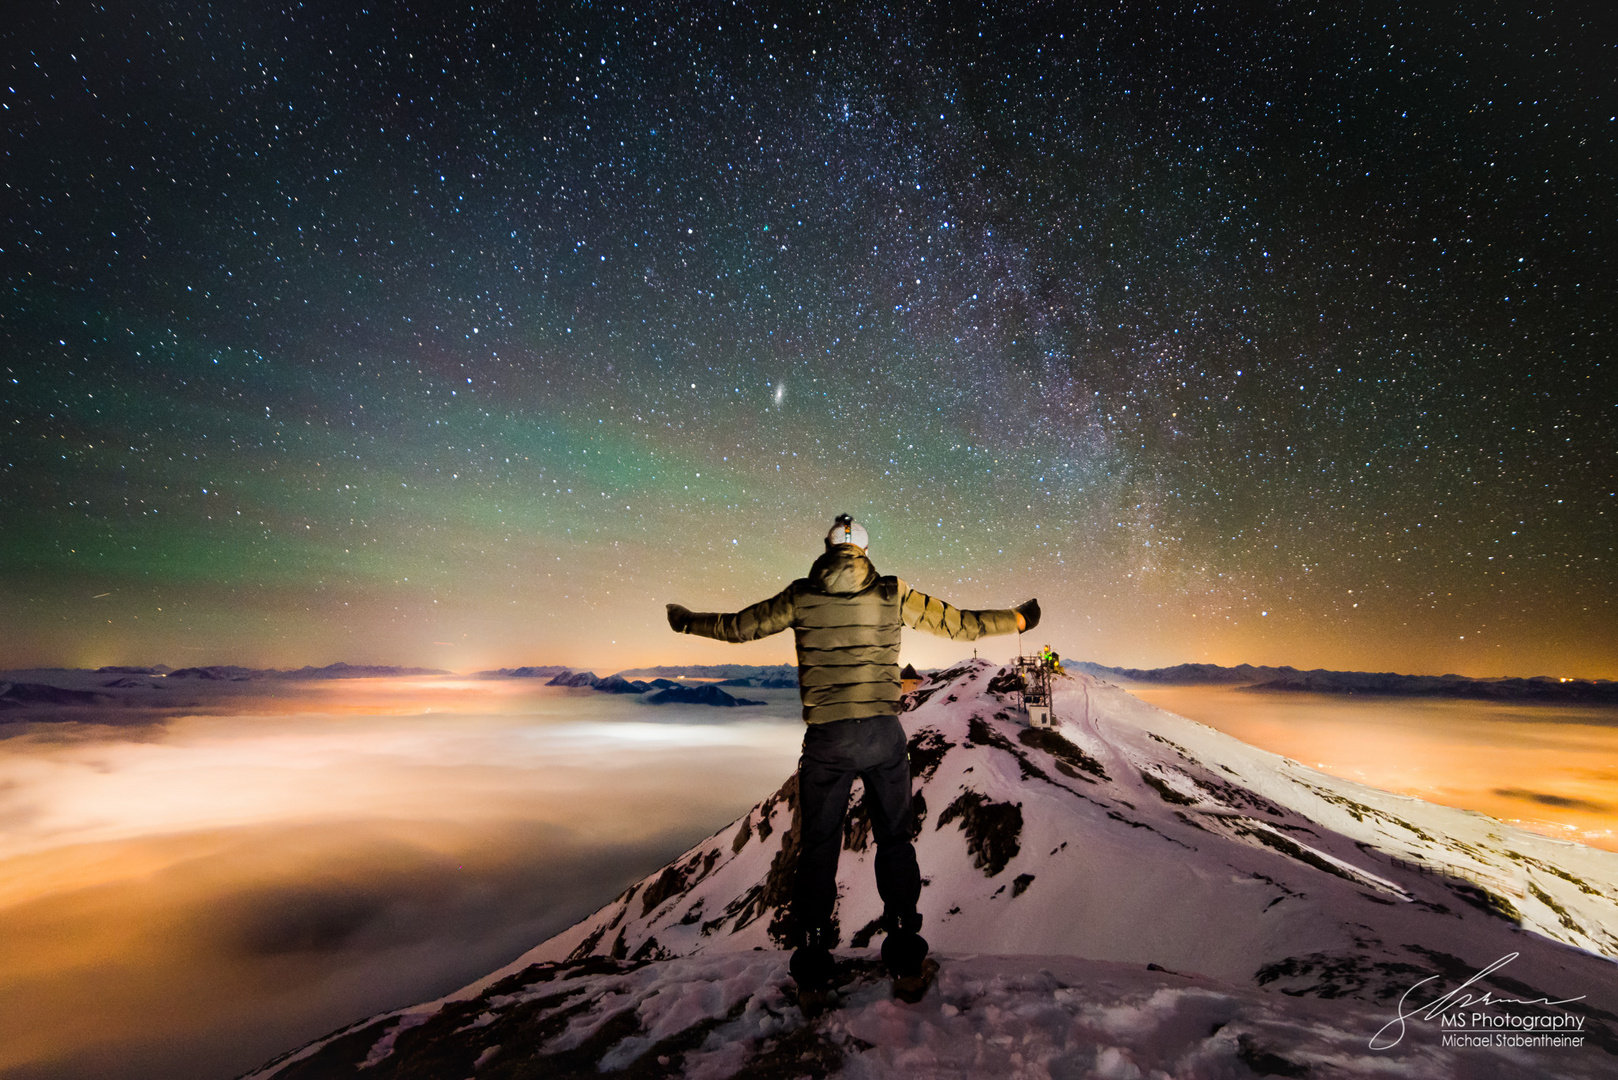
column 979, row 732
column 1293, row 850
column 1486, row 901
column 15, row 695
column 617, row 684
column 1062, row 750
column 772, row 896
column 927, row 749
column 587, row 946
column 935, row 682
column 707, row 694
column 671, row 882
column 1006, row 681
column 1237, row 797
column 857, row 826
column 993, row 829
column 918, row 814
column 575, row 678
column 862, row 937
column 1334, row 975
column 1264, row 1062
column 651, row 950
column 1164, row 791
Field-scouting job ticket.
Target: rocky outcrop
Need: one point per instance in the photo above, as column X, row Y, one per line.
column 17, row 695
column 707, row 694
column 587, row 679
column 617, row 684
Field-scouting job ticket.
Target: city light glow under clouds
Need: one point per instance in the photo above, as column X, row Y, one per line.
column 240, row 882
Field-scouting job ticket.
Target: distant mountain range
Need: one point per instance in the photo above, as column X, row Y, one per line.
column 232, row 673
column 61, row 693
column 547, row 671
column 658, row 691
column 1184, row 674
column 717, row 671
column 1540, row 689
column 45, row 690
column 81, row 687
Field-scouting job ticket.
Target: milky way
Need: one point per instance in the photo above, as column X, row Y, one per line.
column 470, row 337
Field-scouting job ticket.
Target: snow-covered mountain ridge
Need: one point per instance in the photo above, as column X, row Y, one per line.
column 1128, row 834
column 1130, row 837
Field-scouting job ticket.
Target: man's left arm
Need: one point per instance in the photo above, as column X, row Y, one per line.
column 932, row 615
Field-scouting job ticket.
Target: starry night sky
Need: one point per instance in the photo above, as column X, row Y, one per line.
column 468, row 335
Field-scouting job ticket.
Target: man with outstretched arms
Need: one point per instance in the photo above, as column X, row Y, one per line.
column 847, row 620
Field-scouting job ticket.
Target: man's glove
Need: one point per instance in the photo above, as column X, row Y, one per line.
column 680, row 618
column 1029, row 612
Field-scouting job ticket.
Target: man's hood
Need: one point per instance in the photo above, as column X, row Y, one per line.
column 843, row 571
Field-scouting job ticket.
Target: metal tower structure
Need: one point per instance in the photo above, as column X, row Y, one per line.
column 1034, row 681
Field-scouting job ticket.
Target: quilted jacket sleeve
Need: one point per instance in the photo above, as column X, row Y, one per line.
column 922, row 612
column 749, row 624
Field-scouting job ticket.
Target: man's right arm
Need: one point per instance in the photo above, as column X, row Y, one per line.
column 761, row 620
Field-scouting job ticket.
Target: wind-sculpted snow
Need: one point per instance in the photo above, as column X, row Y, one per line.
column 1128, row 835
column 734, row 1016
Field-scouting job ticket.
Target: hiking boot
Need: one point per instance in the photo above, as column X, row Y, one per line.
column 812, row 969
column 912, row 988
column 904, row 953
column 903, row 949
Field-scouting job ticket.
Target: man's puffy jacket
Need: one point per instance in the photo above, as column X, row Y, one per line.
column 847, row 619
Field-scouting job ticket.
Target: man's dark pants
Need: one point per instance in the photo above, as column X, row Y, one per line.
column 834, row 753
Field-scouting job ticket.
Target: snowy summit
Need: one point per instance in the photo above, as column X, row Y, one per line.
column 1129, row 895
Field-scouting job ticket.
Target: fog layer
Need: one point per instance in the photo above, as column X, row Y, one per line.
column 1552, row 769
column 188, row 898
